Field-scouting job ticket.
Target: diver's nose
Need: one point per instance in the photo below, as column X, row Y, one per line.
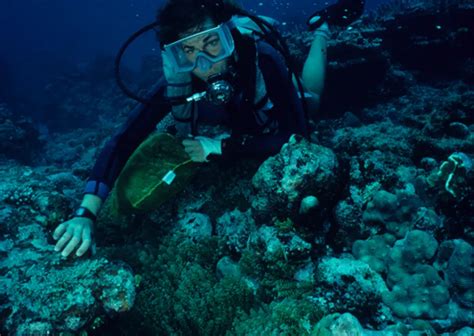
column 203, row 64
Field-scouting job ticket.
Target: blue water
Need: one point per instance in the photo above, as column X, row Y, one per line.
column 42, row 38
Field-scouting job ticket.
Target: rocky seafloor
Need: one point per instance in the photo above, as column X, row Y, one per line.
column 366, row 229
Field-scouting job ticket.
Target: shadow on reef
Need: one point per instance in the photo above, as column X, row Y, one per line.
column 435, row 43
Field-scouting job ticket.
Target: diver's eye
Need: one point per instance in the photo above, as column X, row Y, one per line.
column 211, row 46
column 188, row 50
column 213, row 43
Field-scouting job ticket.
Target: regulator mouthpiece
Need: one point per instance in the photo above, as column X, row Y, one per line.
column 220, row 92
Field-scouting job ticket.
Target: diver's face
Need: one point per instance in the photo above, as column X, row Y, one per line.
column 216, row 68
column 206, row 43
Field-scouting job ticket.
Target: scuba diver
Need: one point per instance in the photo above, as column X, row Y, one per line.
column 230, row 87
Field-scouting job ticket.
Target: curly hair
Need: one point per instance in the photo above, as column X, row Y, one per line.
column 178, row 16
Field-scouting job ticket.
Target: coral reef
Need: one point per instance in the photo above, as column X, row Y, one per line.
column 182, row 294
column 374, row 251
column 286, row 317
column 301, row 169
column 19, row 137
column 395, row 214
column 366, row 228
column 417, row 290
column 455, row 259
column 38, row 288
column 87, row 95
column 346, row 285
column 235, row 228
column 41, row 292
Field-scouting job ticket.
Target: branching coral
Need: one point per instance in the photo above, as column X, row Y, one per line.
column 183, row 295
column 287, row 317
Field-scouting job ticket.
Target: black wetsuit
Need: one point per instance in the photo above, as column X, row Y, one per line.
column 247, row 138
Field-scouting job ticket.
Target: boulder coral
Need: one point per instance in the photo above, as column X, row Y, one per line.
column 301, row 169
column 416, row 289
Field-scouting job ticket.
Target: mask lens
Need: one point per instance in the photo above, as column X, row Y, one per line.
column 203, row 63
column 201, row 49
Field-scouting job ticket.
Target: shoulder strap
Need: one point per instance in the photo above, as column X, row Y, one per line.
column 246, row 64
column 246, row 67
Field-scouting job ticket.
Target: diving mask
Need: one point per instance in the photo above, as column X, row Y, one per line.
column 201, row 50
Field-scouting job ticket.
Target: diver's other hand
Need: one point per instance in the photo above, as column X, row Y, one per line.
column 200, row 147
column 72, row 234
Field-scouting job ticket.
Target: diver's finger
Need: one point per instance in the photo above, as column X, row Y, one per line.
column 188, row 142
column 64, row 239
column 76, row 238
column 191, row 147
column 190, row 150
column 86, row 242
column 59, row 231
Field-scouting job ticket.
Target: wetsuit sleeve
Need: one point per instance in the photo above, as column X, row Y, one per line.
column 114, row 155
column 287, row 110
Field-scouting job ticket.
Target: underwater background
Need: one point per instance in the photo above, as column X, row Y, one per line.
column 364, row 229
column 44, row 39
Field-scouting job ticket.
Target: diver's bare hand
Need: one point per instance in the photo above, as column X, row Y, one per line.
column 76, row 232
column 200, row 147
column 195, row 150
